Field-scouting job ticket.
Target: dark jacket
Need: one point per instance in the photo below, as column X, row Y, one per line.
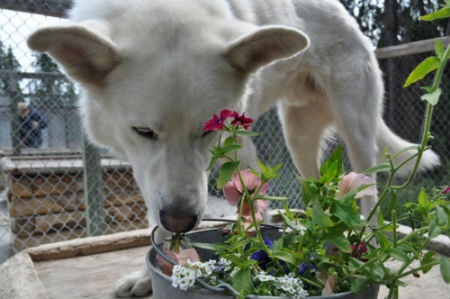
column 30, row 137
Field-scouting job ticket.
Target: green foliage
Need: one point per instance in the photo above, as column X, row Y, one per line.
column 8, row 62
column 424, row 68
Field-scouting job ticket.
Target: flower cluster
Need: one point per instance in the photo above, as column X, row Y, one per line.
column 324, row 249
column 287, row 285
column 184, row 276
column 218, row 122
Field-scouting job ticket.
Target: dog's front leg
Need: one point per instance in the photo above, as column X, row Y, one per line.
column 138, row 283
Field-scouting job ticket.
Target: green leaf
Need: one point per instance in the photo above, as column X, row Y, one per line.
column 284, row 256
column 440, row 14
column 230, row 148
column 445, row 269
column 432, row 98
column 434, row 230
column 333, row 166
column 340, row 242
column 427, row 259
column 355, row 264
column 424, row 68
column 226, row 172
column 242, row 281
column 380, row 219
column 383, row 240
column 442, row 218
column 319, row 217
column 210, row 246
column 385, row 167
column 310, row 190
column 229, row 140
column 359, row 285
column 347, row 214
column 439, row 49
column 424, row 202
column 399, row 255
column 267, row 197
column 267, row 172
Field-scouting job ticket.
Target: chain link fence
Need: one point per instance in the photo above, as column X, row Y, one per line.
column 64, row 188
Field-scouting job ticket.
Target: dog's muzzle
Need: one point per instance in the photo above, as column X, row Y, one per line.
column 178, row 219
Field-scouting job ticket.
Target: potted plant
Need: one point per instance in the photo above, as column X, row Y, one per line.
column 324, row 251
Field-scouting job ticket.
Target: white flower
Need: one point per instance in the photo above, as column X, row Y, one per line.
column 225, row 263
column 292, row 285
column 183, row 277
column 209, row 267
column 263, row 276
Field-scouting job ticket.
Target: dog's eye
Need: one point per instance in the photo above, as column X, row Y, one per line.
column 146, row 133
column 206, row 134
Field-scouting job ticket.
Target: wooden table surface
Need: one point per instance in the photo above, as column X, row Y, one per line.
column 88, row 268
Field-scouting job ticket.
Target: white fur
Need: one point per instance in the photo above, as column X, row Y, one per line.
column 169, row 65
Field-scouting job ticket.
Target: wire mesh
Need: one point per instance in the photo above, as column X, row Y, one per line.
column 42, row 188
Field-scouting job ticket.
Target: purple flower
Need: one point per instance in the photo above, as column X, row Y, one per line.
column 261, row 256
column 305, row 267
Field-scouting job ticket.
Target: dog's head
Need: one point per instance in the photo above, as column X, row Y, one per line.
column 148, row 90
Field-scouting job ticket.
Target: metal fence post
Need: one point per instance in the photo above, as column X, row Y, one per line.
column 93, row 189
column 15, row 96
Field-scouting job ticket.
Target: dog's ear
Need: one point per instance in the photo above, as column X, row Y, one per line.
column 85, row 55
column 257, row 49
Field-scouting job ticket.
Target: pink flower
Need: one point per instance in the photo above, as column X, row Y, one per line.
column 242, row 120
column 259, row 205
column 233, row 190
column 328, row 288
column 218, row 121
column 446, row 191
column 353, row 181
column 358, row 250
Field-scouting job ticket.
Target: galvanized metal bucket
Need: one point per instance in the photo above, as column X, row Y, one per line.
column 162, row 284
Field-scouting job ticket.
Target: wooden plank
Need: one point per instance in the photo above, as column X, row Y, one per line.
column 69, row 202
column 90, row 245
column 410, row 48
column 95, row 273
column 19, row 279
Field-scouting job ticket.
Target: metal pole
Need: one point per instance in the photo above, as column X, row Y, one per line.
column 15, row 96
column 93, row 187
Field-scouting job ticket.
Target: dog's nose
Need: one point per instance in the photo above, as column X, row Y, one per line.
column 178, row 219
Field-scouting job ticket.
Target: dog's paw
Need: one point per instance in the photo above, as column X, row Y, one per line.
column 134, row 284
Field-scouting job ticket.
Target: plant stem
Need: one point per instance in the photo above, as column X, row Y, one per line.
column 421, row 147
column 394, row 227
column 250, row 201
column 428, row 116
column 429, row 265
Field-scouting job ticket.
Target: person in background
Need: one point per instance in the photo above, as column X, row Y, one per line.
column 32, row 123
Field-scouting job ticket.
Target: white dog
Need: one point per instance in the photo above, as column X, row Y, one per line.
column 153, row 71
